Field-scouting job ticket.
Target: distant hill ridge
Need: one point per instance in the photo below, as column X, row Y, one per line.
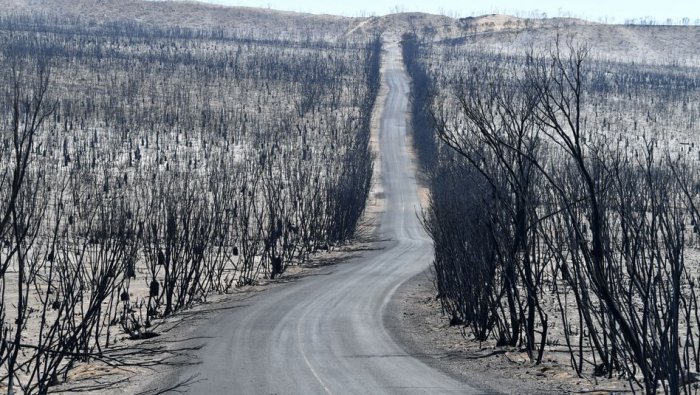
column 660, row 43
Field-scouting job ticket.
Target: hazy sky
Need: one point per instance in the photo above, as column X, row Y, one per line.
column 589, row 9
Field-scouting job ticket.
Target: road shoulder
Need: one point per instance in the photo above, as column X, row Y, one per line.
column 415, row 321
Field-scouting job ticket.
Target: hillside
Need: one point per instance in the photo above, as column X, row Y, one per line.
column 658, row 44
column 668, row 44
column 186, row 14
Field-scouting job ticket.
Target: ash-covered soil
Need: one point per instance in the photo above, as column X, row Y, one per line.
column 416, row 322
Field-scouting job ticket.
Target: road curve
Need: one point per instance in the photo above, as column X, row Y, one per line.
column 325, row 334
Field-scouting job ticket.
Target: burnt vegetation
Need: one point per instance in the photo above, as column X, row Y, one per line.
column 564, row 204
column 144, row 169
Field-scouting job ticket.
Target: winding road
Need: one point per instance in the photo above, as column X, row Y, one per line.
column 325, row 334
